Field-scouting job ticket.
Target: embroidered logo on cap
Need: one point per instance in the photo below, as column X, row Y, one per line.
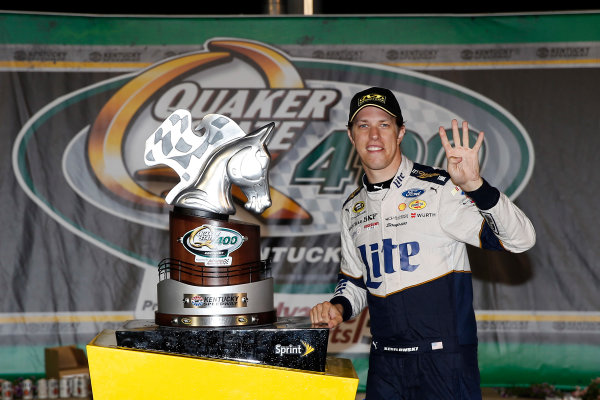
column 372, row 97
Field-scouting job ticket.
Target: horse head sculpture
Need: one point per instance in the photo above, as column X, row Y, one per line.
column 209, row 162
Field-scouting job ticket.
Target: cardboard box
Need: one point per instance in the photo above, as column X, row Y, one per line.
column 65, row 361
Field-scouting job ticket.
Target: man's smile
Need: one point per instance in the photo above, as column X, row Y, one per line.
column 374, row 148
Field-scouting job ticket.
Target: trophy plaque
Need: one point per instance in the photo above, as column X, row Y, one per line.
column 215, row 294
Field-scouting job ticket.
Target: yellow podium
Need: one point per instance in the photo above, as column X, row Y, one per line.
column 118, row 373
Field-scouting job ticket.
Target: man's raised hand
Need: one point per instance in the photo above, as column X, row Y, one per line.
column 463, row 162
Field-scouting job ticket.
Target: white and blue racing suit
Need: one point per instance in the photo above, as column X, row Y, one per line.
column 404, row 255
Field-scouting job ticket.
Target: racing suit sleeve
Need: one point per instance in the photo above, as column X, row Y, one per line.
column 350, row 291
column 485, row 218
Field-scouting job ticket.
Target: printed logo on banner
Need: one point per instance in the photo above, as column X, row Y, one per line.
column 313, row 169
column 313, row 163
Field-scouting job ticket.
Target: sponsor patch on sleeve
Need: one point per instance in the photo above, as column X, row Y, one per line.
column 489, row 219
column 353, row 195
column 430, row 174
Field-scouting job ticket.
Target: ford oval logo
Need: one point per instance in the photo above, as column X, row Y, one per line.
column 413, row 192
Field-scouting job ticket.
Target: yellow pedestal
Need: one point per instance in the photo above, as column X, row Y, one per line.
column 119, row 373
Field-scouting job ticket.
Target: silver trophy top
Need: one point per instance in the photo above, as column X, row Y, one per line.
column 209, row 161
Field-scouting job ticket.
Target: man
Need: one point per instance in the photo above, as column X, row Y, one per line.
column 403, row 241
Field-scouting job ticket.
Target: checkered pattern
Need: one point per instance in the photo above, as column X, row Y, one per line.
column 176, row 145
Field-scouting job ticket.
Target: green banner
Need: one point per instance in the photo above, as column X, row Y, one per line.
column 85, row 223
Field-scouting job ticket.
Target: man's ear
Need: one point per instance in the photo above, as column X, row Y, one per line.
column 401, row 133
column 350, row 136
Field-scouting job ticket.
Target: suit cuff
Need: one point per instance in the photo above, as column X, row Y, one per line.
column 485, row 197
column 345, row 303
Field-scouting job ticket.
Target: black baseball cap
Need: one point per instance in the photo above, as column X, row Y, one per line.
column 375, row 96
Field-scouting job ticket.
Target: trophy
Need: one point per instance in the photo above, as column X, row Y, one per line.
column 215, row 294
column 214, row 276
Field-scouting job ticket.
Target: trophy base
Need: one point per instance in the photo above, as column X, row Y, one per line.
column 194, row 321
column 289, row 342
column 124, row 373
column 183, row 305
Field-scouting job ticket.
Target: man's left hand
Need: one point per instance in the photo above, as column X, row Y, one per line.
column 463, row 162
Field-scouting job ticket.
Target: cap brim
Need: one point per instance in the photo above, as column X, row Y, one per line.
column 367, row 105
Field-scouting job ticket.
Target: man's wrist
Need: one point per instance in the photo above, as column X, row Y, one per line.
column 472, row 186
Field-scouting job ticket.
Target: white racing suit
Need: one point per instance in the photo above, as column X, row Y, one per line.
column 404, row 256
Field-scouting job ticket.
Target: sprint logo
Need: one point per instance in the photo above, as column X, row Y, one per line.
column 302, row 350
column 307, row 348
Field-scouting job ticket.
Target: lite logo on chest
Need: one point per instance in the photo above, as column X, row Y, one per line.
column 373, row 266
